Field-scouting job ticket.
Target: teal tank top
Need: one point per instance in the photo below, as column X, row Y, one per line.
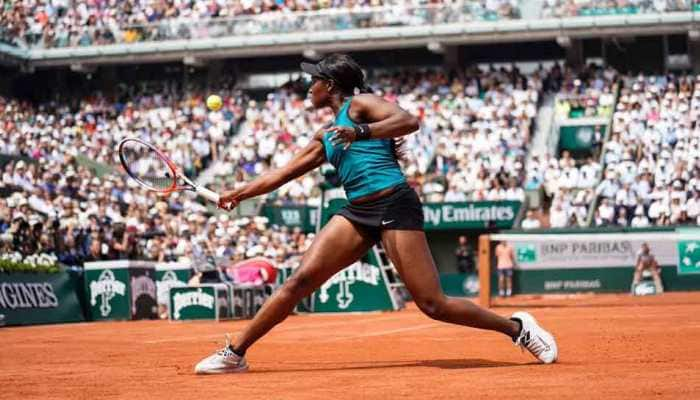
column 367, row 166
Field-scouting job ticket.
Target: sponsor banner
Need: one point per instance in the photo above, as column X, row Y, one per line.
column 688, row 257
column 170, row 275
column 200, row 302
column 359, row 287
column 689, row 251
column 460, row 285
column 589, row 250
column 303, row 217
column 609, row 279
column 445, row 216
column 121, row 289
column 30, row 298
column 470, row 215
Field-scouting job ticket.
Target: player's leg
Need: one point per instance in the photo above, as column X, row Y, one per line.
column 656, row 274
column 338, row 245
column 637, row 274
column 509, row 282
column 501, row 283
column 410, row 254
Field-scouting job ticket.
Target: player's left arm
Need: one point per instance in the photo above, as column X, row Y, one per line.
column 384, row 119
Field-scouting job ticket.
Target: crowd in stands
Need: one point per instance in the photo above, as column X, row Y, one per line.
column 65, row 23
column 475, row 128
column 586, row 93
column 649, row 168
column 53, row 203
column 60, row 207
column 475, row 132
column 573, row 8
column 652, row 160
column 569, row 184
column 483, row 129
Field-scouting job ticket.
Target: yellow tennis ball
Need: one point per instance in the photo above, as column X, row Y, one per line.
column 214, row 102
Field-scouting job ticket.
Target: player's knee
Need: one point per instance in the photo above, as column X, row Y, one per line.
column 433, row 307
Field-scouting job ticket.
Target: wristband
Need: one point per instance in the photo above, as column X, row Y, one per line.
column 362, row 132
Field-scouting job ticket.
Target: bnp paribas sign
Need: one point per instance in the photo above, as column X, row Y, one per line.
column 470, row 215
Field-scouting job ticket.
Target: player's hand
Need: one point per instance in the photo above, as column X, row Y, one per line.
column 230, row 199
column 342, row 135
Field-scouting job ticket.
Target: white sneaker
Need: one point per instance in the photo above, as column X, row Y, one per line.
column 223, row 361
column 536, row 340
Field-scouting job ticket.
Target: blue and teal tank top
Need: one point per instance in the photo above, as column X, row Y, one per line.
column 367, row 166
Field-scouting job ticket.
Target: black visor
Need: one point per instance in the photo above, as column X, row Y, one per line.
column 315, row 70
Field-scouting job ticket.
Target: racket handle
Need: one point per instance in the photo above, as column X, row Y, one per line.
column 207, row 194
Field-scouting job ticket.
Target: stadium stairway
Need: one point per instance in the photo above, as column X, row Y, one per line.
column 544, row 141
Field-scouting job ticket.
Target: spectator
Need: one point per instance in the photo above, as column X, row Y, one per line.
column 465, row 256
column 505, row 258
column 530, row 222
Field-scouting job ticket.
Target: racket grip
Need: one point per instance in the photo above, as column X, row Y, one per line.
column 207, row 194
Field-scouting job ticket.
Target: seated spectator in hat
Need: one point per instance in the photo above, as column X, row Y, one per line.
column 530, row 221
column 605, row 213
column 558, row 217
column 640, row 220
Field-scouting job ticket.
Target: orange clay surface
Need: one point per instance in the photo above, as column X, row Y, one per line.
column 611, row 346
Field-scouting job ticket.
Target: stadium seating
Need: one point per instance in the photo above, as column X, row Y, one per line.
column 52, row 203
column 651, row 157
column 475, row 135
column 31, row 23
column 572, row 8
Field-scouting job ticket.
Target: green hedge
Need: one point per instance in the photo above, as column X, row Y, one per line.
column 13, row 263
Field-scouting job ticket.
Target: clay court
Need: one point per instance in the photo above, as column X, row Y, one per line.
column 610, row 347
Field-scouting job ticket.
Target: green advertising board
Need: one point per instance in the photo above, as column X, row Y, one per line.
column 300, row 216
column 38, row 298
column 209, row 302
column 121, row 289
column 445, row 216
column 688, row 251
column 578, row 139
column 688, row 257
column 470, row 215
column 460, row 285
column 359, row 287
column 170, row 274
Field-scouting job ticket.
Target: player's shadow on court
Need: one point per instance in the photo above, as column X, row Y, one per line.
column 349, row 366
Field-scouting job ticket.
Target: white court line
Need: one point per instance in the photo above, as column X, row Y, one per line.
column 382, row 333
column 290, row 329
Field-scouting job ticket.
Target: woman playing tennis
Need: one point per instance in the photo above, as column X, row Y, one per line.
column 382, row 207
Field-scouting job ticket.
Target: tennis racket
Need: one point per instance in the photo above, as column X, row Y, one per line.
column 153, row 170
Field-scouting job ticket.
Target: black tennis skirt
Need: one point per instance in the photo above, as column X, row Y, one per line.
column 401, row 210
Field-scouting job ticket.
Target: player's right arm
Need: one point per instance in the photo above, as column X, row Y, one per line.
column 309, row 158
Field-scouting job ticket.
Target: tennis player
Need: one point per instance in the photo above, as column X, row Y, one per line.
column 362, row 146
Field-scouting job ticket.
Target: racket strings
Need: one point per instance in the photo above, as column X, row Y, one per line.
column 147, row 166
